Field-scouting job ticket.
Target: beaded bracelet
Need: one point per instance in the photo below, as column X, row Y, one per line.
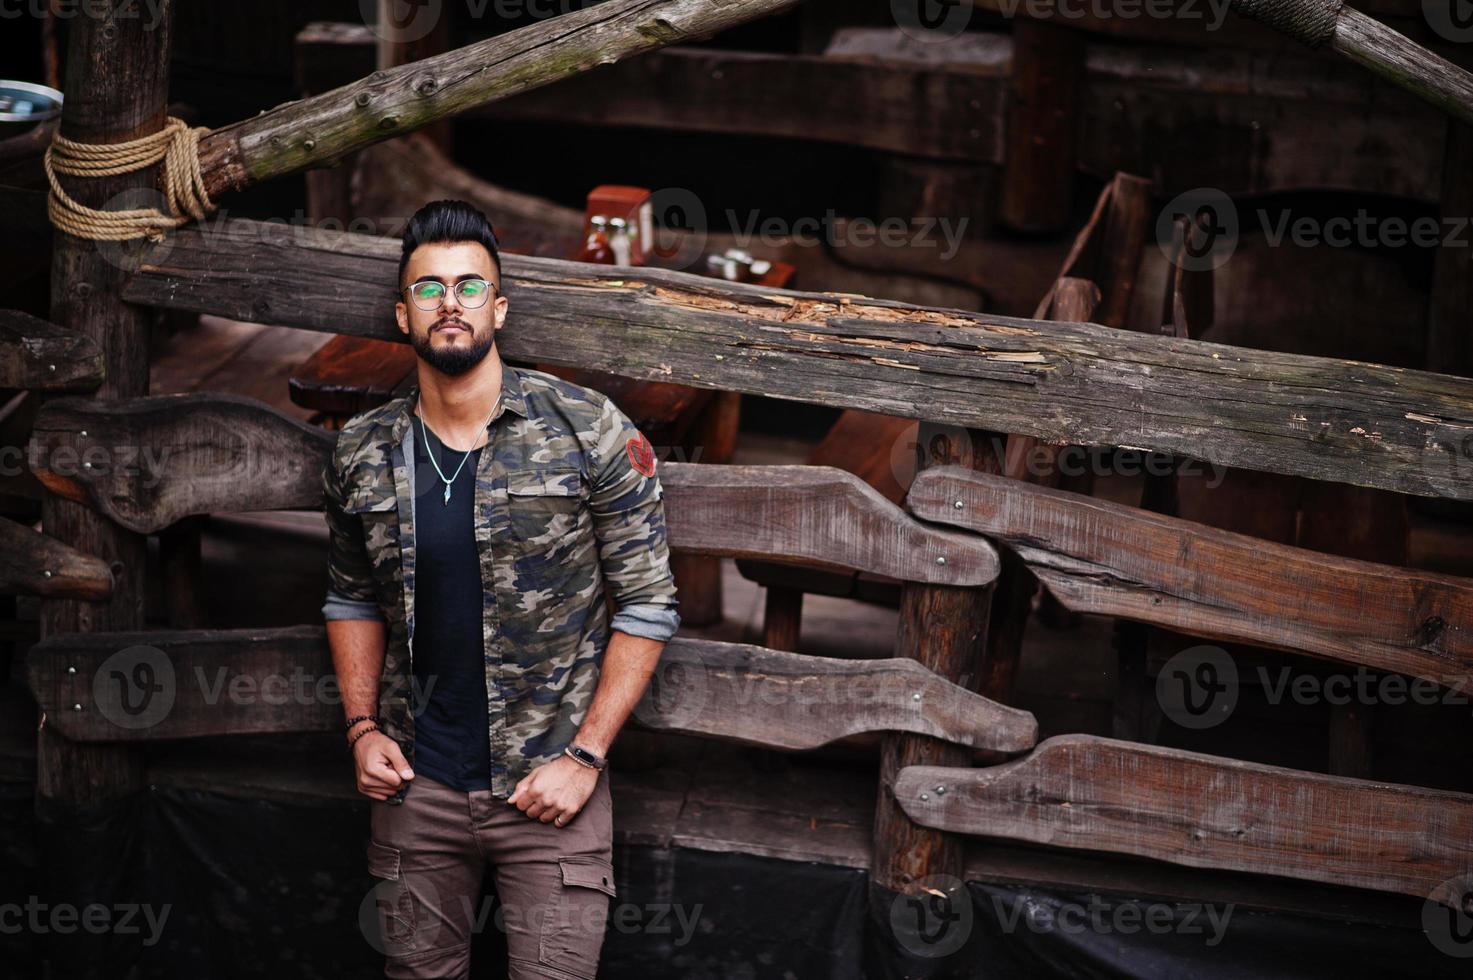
column 357, row 718
column 365, row 731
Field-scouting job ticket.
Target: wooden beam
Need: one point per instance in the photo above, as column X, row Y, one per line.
column 314, row 132
column 1105, row 558
column 32, row 563
column 257, row 681
column 1330, row 419
column 41, row 356
column 1099, row 794
column 813, row 515
column 201, row 454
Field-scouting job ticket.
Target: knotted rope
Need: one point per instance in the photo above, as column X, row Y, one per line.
column 177, row 145
column 1310, row 21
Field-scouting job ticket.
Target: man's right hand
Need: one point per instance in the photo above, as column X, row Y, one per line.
column 382, row 768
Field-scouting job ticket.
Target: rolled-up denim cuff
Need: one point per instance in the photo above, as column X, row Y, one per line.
column 650, row 622
column 341, row 607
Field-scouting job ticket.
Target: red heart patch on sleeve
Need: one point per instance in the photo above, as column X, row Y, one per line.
column 641, row 454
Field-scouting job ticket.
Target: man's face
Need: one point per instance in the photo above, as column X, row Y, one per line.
column 456, row 337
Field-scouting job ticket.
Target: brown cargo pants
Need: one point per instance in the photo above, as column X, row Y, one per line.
column 429, row 854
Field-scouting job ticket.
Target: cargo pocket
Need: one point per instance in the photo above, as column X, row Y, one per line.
column 543, row 506
column 573, row 929
column 390, row 924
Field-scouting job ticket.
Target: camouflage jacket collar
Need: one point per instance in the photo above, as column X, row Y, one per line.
column 511, row 399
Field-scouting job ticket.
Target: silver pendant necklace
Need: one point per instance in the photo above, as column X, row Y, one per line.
column 431, row 454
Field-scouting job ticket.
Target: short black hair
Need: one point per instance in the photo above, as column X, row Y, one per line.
column 448, row 221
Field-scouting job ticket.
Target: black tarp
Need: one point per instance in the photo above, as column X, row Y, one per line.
column 275, row 889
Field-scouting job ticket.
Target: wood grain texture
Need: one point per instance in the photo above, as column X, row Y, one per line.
column 1105, row 558
column 1338, row 420
column 316, row 131
column 1100, row 794
column 147, row 462
column 160, row 685
column 41, row 356
column 158, row 459
column 813, row 514
column 32, row 563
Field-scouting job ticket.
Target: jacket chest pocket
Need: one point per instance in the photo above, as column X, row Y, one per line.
column 546, row 508
column 379, row 514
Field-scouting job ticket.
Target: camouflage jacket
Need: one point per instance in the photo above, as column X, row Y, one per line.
column 567, row 502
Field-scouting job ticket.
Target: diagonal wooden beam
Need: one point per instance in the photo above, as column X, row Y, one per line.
column 1112, row 560
column 1099, row 794
column 41, row 356
column 32, row 563
column 1071, row 383
column 157, row 685
column 315, row 132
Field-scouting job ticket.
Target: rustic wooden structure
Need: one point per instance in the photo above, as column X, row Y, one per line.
column 1069, row 375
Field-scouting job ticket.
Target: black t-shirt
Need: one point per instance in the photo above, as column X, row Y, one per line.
column 451, row 728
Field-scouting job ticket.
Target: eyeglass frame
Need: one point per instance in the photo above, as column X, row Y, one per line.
column 495, row 290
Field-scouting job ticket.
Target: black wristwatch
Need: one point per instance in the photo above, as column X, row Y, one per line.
column 585, row 757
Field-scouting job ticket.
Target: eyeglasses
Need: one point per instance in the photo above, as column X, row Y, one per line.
column 469, row 293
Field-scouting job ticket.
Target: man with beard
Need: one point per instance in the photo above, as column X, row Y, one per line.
column 477, row 526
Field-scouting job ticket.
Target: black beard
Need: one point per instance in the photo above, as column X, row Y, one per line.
column 454, row 361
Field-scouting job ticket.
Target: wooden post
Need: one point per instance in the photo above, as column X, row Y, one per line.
column 1038, row 173
column 116, row 89
column 944, row 628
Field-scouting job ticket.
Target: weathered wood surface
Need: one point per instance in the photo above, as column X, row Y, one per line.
column 813, row 514
column 316, row 131
column 1046, row 72
column 156, row 685
column 32, row 563
column 1329, row 419
column 1100, row 794
column 1105, row 558
column 41, row 356
column 159, row 459
column 148, row 462
column 1402, row 61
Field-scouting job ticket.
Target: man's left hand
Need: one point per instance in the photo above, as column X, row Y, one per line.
column 555, row 791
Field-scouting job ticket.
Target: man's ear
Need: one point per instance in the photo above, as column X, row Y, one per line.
column 401, row 315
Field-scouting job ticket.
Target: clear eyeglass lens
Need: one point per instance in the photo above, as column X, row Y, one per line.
column 428, row 295
column 473, row 293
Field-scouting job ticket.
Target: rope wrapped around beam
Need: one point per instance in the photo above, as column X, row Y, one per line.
column 1310, row 21
column 177, row 145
